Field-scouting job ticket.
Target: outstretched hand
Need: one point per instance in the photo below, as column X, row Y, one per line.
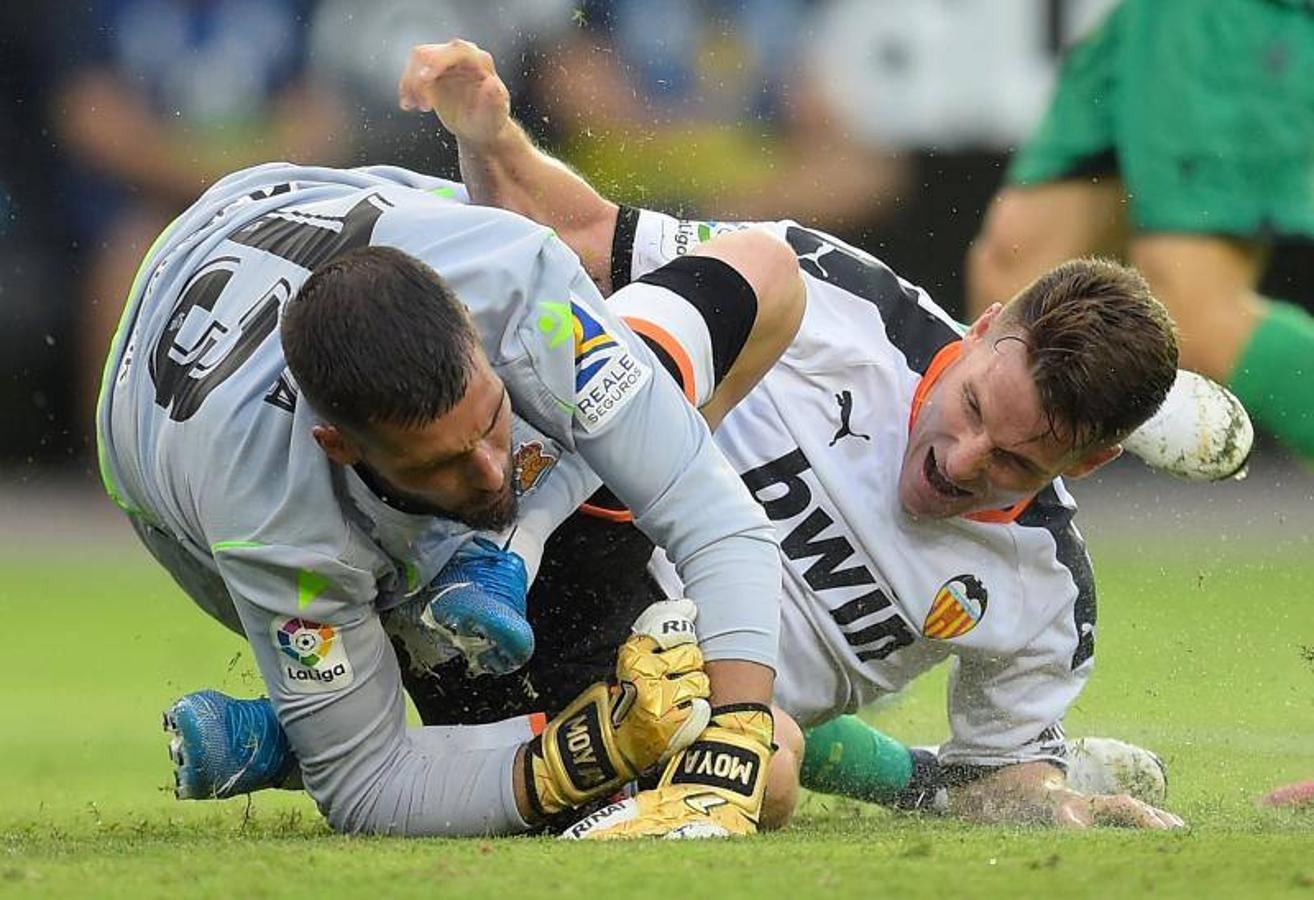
column 459, row 82
column 1119, row 810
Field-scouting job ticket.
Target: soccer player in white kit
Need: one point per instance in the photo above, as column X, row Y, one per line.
column 909, row 468
column 966, row 550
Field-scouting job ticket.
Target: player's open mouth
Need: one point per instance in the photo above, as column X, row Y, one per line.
column 939, row 482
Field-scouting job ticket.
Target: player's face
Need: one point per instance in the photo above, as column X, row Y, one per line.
column 981, row 440
column 459, row 465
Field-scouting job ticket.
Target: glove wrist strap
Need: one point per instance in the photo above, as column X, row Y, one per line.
column 731, row 756
column 576, row 758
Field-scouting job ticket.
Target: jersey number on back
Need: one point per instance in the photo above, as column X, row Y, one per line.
column 185, row 366
column 198, row 351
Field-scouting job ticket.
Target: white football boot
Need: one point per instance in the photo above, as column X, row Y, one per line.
column 1107, row 766
column 1201, row 433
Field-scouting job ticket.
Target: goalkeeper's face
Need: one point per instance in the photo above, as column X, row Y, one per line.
column 458, row 465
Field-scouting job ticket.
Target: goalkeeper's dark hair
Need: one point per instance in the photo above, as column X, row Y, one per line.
column 376, row 336
column 1101, row 348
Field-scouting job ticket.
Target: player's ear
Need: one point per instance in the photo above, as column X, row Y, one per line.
column 1092, row 461
column 983, row 322
column 336, row 445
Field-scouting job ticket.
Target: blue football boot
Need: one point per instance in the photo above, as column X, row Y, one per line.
column 477, row 605
column 222, row 746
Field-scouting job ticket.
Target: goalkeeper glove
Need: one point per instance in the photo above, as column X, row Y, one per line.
column 712, row 789
column 613, row 732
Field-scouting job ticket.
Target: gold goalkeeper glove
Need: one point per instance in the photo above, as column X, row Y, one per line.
column 613, row 732
column 713, row 788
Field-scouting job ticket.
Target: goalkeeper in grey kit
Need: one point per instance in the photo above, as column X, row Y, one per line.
column 301, row 498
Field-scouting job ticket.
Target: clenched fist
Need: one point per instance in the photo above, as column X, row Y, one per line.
column 459, row 82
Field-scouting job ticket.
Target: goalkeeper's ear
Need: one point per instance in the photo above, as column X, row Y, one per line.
column 336, row 444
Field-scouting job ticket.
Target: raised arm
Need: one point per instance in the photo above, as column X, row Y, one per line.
column 501, row 167
column 499, row 163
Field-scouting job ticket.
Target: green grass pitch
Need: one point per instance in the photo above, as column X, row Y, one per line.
column 1205, row 653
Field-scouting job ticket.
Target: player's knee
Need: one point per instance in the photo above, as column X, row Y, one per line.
column 770, row 267
column 1207, row 286
column 788, row 735
column 1028, row 230
column 996, row 270
column 782, row 777
column 1196, row 273
column 1161, row 268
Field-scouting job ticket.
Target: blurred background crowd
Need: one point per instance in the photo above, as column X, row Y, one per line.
column 887, row 122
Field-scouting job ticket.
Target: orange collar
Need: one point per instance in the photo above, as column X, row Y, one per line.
column 941, row 361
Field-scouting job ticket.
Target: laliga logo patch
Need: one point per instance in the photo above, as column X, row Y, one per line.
column 959, row 605
column 607, row 375
column 531, row 463
column 688, row 234
column 306, row 642
column 320, row 662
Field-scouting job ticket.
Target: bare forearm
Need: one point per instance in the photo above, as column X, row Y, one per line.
column 509, row 172
column 500, row 165
column 1024, row 794
column 739, row 681
column 109, row 127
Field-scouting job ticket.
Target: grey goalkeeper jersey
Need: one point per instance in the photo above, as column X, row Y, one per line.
column 204, row 441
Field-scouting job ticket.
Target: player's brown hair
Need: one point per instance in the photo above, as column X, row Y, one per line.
column 375, row 335
column 1102, row 349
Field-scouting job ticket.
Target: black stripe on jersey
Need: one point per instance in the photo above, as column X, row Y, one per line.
column 668, row 363
column 622, row 246
column 722, row 296
column 266, row 192
column 309, row 243
column 1053, row 742
column 1047, row 512
column 855, row 609
column 917, row 332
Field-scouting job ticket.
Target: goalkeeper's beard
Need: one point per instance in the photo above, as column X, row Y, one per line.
column 489, row 511
column 498, row 513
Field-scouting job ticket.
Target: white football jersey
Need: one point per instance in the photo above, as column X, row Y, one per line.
column 874, row 597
